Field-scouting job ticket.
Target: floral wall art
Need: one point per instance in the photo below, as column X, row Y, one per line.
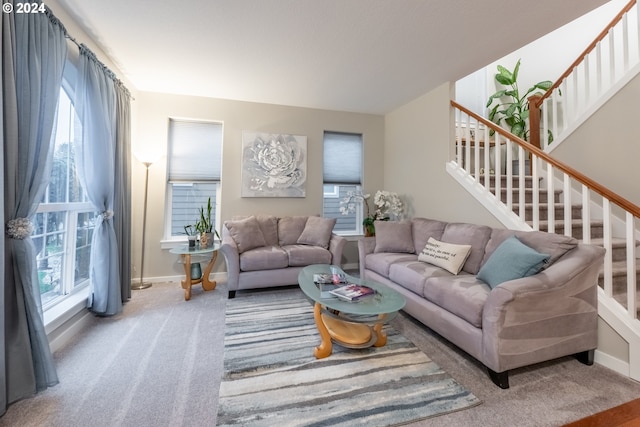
column 273, row 165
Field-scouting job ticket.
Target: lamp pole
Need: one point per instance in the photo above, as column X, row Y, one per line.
column 142, row 284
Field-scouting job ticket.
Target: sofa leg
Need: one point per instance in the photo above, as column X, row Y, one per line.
column 501, row 379
column 585, row 357
column 232, row 294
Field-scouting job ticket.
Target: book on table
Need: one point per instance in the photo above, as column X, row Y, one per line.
column 352, row 292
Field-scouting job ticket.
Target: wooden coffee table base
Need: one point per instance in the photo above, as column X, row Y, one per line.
column 345, row 333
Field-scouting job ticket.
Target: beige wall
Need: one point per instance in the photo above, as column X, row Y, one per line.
column 154, row 111
column 606, row 147
column 416, row 151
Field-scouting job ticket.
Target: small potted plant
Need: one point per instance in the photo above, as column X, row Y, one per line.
column 204, row 225
column 190, row 231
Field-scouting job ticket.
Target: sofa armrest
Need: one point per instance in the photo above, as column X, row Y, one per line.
column 549, row 315
column 336, row 247
column 229, row 249
column 366, row 246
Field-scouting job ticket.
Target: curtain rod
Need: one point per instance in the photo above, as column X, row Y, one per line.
column 82, row 46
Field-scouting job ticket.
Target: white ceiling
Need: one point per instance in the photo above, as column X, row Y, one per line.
column 368, row 56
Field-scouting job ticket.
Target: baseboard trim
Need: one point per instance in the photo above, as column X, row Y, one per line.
column 615, row 364
column 63, row 334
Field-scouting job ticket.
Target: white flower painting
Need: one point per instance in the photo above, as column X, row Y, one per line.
column 273, row 165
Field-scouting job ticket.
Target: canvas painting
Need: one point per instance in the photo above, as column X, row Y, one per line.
column 273, row 165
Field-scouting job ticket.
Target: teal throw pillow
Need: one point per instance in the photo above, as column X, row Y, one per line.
column 511, row 260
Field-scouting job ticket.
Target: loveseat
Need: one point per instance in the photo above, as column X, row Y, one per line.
column 518, row 298
column 264, row 251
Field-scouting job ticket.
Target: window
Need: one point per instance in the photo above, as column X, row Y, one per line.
column 64, row 220
column 342, row 174
column 195, row 166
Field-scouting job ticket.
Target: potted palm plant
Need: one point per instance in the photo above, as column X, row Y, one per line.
column 510, row 108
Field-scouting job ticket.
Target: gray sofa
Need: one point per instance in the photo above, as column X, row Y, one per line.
column 264, row 251
column 513, row 322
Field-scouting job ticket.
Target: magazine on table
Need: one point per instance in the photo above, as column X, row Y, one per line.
column 353, row 292
column 328, row 282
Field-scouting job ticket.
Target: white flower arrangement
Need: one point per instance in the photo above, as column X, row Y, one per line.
column 388, row 206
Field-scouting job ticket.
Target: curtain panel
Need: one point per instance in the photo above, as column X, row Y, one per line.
column 122, row 204
column 95, row 103
column 33, row 57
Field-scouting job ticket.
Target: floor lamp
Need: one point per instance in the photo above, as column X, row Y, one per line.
column 142, row 284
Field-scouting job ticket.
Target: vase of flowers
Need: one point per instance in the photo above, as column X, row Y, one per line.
column 387, row 206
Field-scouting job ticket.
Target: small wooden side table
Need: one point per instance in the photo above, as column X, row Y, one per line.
column 186, row 252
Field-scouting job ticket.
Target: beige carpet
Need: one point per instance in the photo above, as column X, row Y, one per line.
column 160, row 364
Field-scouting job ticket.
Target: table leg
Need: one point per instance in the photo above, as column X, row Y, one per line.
column 325, row 347
column 186, row 284
column 209, row 285
column 377, row 328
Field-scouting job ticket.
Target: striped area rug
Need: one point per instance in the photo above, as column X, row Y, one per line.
column 272, row 378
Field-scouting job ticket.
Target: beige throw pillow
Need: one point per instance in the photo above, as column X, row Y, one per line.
column 445, row 255
column 317, row 231
column 246, row 233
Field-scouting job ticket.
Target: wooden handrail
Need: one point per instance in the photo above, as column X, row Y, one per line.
column 581, row 178
column 588, row 50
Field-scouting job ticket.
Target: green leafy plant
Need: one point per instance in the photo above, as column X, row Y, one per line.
column 205, row 223
column 511, row 107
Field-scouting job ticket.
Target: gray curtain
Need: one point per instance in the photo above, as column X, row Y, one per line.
column 122, row 204
column 95, row 103
column 33, row 57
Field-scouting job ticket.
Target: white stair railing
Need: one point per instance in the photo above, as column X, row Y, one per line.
column 506, row 179
column 602, row 68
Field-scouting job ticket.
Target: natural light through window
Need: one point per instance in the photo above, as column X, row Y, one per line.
column 64, row 222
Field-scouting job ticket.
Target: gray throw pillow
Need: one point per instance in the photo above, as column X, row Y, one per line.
column 317, row 231
column 290, row 228
column 246, row 233
column 394, row 236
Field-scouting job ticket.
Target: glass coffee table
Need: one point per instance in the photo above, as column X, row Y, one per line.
column 350, row 324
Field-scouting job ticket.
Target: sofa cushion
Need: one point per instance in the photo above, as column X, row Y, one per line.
column 463, row 295
column 446, row 255
column 269, row 227
column 303, row 255
column 246, row 233
column 317, row 231
column 394, row 236
column 263, row 258
column 555, row 245
column 381, row 262
column 423, row 229
column 412, row 275
column 511, row 260
column 290, row 228
column 469, row 234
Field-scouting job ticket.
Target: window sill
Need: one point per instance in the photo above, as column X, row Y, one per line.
column 58, row 314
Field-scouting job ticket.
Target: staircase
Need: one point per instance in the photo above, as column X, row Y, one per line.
column 618, row 245
column 553, row 196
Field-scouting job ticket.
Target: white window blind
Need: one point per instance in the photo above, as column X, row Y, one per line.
column 342, row 163
column 195, row 150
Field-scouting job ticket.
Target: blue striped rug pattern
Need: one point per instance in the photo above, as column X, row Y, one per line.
column 272, row 378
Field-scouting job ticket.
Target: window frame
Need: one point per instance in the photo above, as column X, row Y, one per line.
column 170, row 240
column 70, row 291
column 358, row 215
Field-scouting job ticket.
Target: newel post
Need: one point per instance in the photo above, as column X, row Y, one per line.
column 534, row 120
